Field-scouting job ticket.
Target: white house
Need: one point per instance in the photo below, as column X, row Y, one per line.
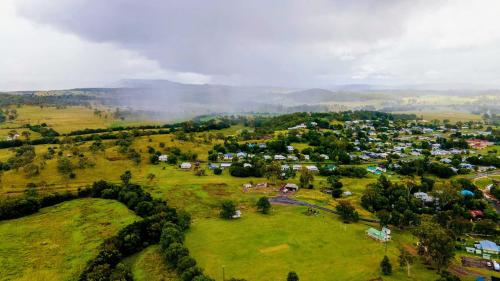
column 237, row 214
column 186, row 165
column 279, row 157
column 423, row 196
column 312, row 168
column 163, row 158
column 324, row 156
column 225, row 165
column 247, row 165
column 289, row 148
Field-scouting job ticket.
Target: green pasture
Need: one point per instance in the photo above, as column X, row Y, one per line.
column 57, row 242
column 267, row 247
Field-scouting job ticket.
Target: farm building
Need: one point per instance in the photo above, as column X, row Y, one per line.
column 383, row 235
column 186, row 165
column 261, row 185
column 488, row 246
column 289, row 187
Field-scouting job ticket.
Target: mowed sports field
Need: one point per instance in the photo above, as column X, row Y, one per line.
column 57, row 242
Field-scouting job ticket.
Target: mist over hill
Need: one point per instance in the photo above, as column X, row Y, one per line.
column 164, row 99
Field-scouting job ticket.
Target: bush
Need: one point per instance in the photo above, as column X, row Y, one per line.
column 386, row 266
column 263, row 205
column 228, row 209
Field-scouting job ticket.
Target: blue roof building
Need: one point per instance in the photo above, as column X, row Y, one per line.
column 466, row 193
column 488, row 246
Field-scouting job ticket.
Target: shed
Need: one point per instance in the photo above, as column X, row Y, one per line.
column 379, row 235
column 488, row 247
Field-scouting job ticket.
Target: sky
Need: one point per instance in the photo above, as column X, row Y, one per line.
column 60, row 44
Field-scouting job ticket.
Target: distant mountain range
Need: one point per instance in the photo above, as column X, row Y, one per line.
column 167, row 98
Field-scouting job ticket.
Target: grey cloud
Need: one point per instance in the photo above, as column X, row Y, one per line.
column 283, row 42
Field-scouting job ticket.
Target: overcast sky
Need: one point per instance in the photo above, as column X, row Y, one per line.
column 295, row 43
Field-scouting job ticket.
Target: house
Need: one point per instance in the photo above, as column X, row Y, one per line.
column 237, row 214
column 247, row 165
column 446, row 160
column 423, row 196
column 225, row 165
column 383, row 235
column 285, row 167
column 241, row 155
column 186, row 165
column 289, row 187
column 212, row 166
column 330, row 168
column 306, row 157
column 489, row 247
column 478, row 143
column 13, row 137
column 476, row 213
column 466, row 166
column 247, row 185
column 466, row 193
column 163, row 158
column 267, row 157
column 324, row 156
column 312, row 168
column 261, row 185
column 279, row 157
column 346, row 193
column 228, row 156
column 375, row 170
column 301, row 126
column 292, row 158
column 289, row 148
column 297, row 167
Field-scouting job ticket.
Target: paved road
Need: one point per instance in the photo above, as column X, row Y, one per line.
column 493, row 201
column 289, row 201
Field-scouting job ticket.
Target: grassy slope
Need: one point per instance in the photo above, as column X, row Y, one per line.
column 263, row 248
column 148, row 266
column 62, row 120
column 56, row 243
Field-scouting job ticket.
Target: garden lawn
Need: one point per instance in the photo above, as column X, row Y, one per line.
column 267, row 247
column 56, row 243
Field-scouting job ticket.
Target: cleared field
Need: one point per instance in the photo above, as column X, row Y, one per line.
column 57, row 242
column 442, row 115
column 259, row 247
column 63, row 120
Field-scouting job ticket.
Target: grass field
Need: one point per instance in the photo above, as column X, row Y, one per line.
column 442, row 115
column 57, row 242
column 63, row 120
column 259, row 247
column 148, row 266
